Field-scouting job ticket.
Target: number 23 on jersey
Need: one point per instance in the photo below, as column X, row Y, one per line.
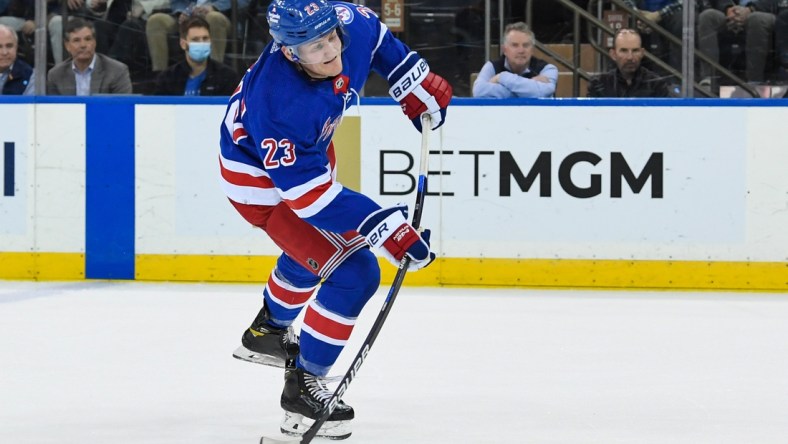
column 270, row 146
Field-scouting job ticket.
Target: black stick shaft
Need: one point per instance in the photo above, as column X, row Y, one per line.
column 421, row 191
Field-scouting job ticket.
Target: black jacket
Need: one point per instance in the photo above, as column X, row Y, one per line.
column 220, row 80
column 645, row 83
column 18, row 78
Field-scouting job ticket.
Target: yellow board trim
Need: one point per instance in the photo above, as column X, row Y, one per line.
column 524, row 273
column 678, row 275
column 156, row 267
column 42, row 266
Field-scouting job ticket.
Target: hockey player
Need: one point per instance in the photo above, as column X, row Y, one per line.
column 278, row 168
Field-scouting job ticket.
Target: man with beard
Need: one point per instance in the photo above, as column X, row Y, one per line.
column 517, row 73
column 628, row 79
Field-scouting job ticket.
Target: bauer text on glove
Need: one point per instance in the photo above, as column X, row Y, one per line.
column 387, row 231
column 420, row 91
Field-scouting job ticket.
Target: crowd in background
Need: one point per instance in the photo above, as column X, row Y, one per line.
column 182, row 47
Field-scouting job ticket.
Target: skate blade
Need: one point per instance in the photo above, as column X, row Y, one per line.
column 296, row 425
column 244, row 354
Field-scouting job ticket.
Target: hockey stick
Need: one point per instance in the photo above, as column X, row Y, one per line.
column 421, row 191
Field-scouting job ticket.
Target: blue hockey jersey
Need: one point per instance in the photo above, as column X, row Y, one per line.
column 276, row 135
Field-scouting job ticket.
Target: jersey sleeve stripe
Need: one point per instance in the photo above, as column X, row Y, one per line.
column 246, row 184
column 309, row 198
column 383, row 30
column 240, row 167
column 239, row 132
column 246, row 180
column 251, row 195
column 313, row 202
column 307, row 187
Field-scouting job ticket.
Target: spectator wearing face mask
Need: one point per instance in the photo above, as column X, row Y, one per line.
column 198, row 74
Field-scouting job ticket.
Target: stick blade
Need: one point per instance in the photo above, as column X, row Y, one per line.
column 269, row 440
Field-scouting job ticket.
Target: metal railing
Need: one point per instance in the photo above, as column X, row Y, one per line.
column 598, row 24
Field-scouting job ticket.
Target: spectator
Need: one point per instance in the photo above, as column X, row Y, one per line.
column 668, row 15
column 120, row 31
column 86, row 72
column 160, row 24
column 16, row 76
column 628, row 79
column 197, row 75
column 756, row 21
column 517, row 73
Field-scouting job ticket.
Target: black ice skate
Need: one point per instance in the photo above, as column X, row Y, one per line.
column 264, row 344
column 303, row 400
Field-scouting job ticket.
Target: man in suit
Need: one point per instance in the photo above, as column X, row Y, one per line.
column 86, row 72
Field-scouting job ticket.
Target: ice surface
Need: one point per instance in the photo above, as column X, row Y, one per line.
column 135, row 362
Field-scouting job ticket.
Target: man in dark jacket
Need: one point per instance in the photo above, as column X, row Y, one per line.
column 197, row 75
column 16, row 76
column 628, row 79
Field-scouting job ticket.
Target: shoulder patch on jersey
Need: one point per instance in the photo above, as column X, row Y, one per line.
column 345, row 14
column 366, row 12
column 274, row 48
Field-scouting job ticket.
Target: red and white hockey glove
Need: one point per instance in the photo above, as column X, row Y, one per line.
column 389, row 232
column 420, row 91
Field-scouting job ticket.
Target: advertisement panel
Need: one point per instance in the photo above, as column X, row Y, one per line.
column 566, row 182
column 568, row 193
